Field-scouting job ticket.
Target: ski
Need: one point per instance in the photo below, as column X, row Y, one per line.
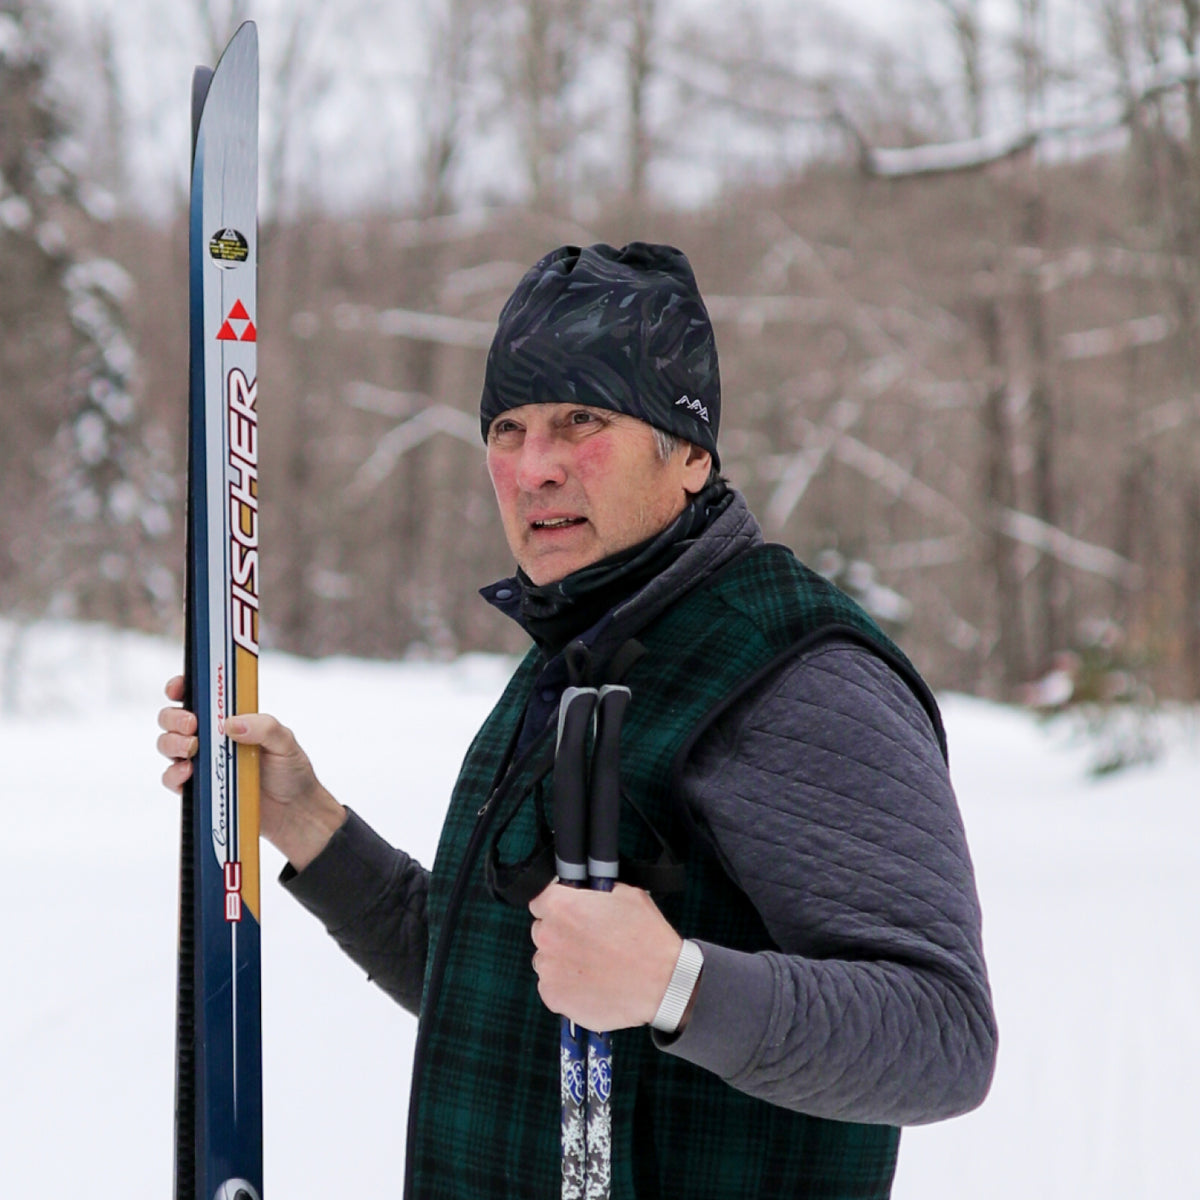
column 218, row 1080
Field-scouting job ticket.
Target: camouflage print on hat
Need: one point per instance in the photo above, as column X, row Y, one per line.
column 622, row 329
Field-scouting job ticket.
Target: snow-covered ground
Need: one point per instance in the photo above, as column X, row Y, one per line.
column 1090, row 893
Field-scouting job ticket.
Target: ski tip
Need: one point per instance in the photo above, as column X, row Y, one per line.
column 241, row 50
column 246, row 32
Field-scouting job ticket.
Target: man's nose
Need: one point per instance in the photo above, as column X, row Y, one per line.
column 542, row 462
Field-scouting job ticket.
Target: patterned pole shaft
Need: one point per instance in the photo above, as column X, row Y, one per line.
column 604, row 809
column 575, row 713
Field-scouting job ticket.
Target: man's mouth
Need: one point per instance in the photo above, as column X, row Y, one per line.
column 558, row 522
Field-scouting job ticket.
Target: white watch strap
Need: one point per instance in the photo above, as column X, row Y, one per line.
column 679, row 990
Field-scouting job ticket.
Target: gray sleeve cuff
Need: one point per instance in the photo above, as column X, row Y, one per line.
column 732, row 982
column 343, row 882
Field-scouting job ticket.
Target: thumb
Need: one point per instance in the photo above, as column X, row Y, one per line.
column 260, row 729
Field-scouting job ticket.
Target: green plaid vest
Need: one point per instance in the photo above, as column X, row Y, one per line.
column 484, row 1114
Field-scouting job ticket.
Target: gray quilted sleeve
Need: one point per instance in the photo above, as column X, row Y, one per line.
column 371, row 899
column 831, row 807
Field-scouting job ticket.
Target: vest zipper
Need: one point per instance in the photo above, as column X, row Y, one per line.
column 485, row 816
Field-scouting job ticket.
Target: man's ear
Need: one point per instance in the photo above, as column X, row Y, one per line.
column 696, row 468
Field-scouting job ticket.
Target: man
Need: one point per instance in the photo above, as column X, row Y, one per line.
column 816, row 978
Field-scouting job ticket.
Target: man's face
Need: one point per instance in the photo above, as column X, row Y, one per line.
column 576, row 484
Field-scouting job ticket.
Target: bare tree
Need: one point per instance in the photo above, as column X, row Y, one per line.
column 966, row 27
column 639, row 68
column 540, row 51
column 999, row 486
column 448, row 101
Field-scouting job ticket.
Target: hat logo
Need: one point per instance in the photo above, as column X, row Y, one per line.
column 693, row 406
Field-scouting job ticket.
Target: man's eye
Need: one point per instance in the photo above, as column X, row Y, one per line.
column 582, row 417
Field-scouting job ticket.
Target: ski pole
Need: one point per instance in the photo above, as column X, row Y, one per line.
column 604, row 807
column 575, row 713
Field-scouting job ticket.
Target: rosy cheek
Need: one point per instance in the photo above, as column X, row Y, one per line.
column 593, row 456
column 503, row 474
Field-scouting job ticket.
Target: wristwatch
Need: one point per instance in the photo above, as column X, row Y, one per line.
column 679, row 990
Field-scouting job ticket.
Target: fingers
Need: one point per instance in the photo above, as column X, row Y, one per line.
column 539, row 905
column 177, row 745
column 178, row 740
column 561, row 915
column 176, row 775
column 177, row 720
column 251, row 729
column 603, row 959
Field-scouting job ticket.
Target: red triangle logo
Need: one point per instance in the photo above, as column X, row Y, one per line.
column 251, row 334
column 226, row 334
column 238, row 312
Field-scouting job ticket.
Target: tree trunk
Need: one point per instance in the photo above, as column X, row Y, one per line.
column 999, row 492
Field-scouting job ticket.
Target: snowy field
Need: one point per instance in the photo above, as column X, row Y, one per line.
column 1090, row 890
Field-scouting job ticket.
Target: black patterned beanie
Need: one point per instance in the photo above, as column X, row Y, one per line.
column 621, row 329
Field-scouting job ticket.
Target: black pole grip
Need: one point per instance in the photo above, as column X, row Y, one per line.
column 575, row 712
column 605, row 810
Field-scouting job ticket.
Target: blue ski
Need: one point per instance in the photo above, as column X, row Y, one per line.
column 218, row 1091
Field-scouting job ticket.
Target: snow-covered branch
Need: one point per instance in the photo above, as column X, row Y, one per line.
column 1084, row 556
column 440, row 418
column 1166, row 417
column 420, row 326
column 756, row 311
column 1082, row 262
column 388, row 402
column 832, row 439
column 972, row 154
column 896, row 479
column 805, row 464
column 1112, row 339
column 938, row 158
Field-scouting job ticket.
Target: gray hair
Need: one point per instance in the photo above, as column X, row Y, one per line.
column 665, row 444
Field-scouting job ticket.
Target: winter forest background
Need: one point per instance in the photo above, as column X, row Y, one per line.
column 952, row 250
